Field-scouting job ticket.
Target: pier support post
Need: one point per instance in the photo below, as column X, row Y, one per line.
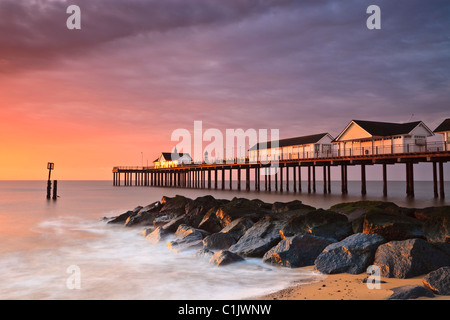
column 409, row 179
column 435, row 183
column 239, row 179
column 294, row 172
column 441, row 180
column 287, row 178
column 344, row 180
column 299, row 178
column 314, row 177
column 309, row 179
column 324, row 179
column 281, row 179
column 329, row 178
column 247, row 179
column 363, row 180
column 223, row 179
column 384, row 180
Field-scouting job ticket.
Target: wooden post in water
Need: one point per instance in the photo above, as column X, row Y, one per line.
column 435, row 186
column 55, row 189
column 363, row 180
column 50, row 167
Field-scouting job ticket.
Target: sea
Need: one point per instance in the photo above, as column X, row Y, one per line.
column 64, row 249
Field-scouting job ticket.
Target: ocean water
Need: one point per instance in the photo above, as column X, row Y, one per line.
column 64, row 249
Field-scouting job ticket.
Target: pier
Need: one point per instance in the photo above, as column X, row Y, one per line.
column 289, row 174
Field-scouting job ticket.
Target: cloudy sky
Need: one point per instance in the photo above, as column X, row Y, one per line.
column 113, row 92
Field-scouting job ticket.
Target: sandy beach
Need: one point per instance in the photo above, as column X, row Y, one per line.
column 343, row 287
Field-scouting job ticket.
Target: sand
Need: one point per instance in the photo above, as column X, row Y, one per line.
column 343, row 287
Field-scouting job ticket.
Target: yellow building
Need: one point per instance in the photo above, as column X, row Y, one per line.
column 170, row 160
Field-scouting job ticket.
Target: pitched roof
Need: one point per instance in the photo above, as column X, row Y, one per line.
column 169, row 156
column 384, row 129
column 444, row 126
column 290, row 141
column 381, row 129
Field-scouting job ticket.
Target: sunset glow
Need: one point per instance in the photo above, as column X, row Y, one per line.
column 112, row 92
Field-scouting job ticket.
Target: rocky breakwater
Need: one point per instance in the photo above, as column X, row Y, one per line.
column 346, row 238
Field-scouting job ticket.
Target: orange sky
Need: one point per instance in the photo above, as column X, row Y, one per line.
column 98, row 97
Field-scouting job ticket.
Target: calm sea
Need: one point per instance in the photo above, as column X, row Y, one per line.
column 43, row 242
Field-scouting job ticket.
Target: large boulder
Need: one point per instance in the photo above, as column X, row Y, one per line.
column 210, row 222
column 438, row 281
column 218, row 241
column 390, row 225
column 410, row 292
column 262, row 236
column 158, row 235
column 238, row 227
column 173, row 207
column 352, row 255
column 321, row 223
column 411, row 258
column 197, row 208
column 145, row 216
column 353, row 210
column 437, row 227
column 188, row 238
column 122, row 218
column 296, row 251
column 281, row 207
column 240, row 207
column 225, row 257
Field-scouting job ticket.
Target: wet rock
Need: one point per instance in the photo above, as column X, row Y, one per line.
column 410, row 292
column 296, row 251
column 240, row 207
column 390, row 225
column 204, row 254
column 196, row 209
column 352, row 255
column 322, row 223
column 280, row 207
column 218, row 241
column 238, row 227
column 173, row 207
column 411, row 258
column 257, row 240
column 438, row 281
column 225, row 257
column 210, row 222
column 437, row 227
column 145, row 216
column 124, row 216
column 158, row 235
column 188, row 238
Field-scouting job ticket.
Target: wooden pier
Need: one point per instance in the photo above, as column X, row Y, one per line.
column 219, row 176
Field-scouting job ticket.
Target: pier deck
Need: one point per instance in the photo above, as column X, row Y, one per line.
column 200, row 175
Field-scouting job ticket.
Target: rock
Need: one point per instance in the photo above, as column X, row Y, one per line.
column 240, row 207
column 410, row 292
column 390, row 225
column 124, row 216
column 185, row 230
column 296, row 251
column 196, row 209
column 225, row 257
column 145, row 216
column 210, row 222
column 352, row 255
column 172, row 225
column 437, row 227
column 354, row 210
column 188, row 238
column 262, row 236
column 411, row 258
column 238, row 227
column 322, row 223
column 438, row 281
column 174, row 207
column 280, row 207
column 204, row 254
column 157, row 235
column 218, row 241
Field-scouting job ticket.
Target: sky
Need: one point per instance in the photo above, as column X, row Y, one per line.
column 112, row 93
